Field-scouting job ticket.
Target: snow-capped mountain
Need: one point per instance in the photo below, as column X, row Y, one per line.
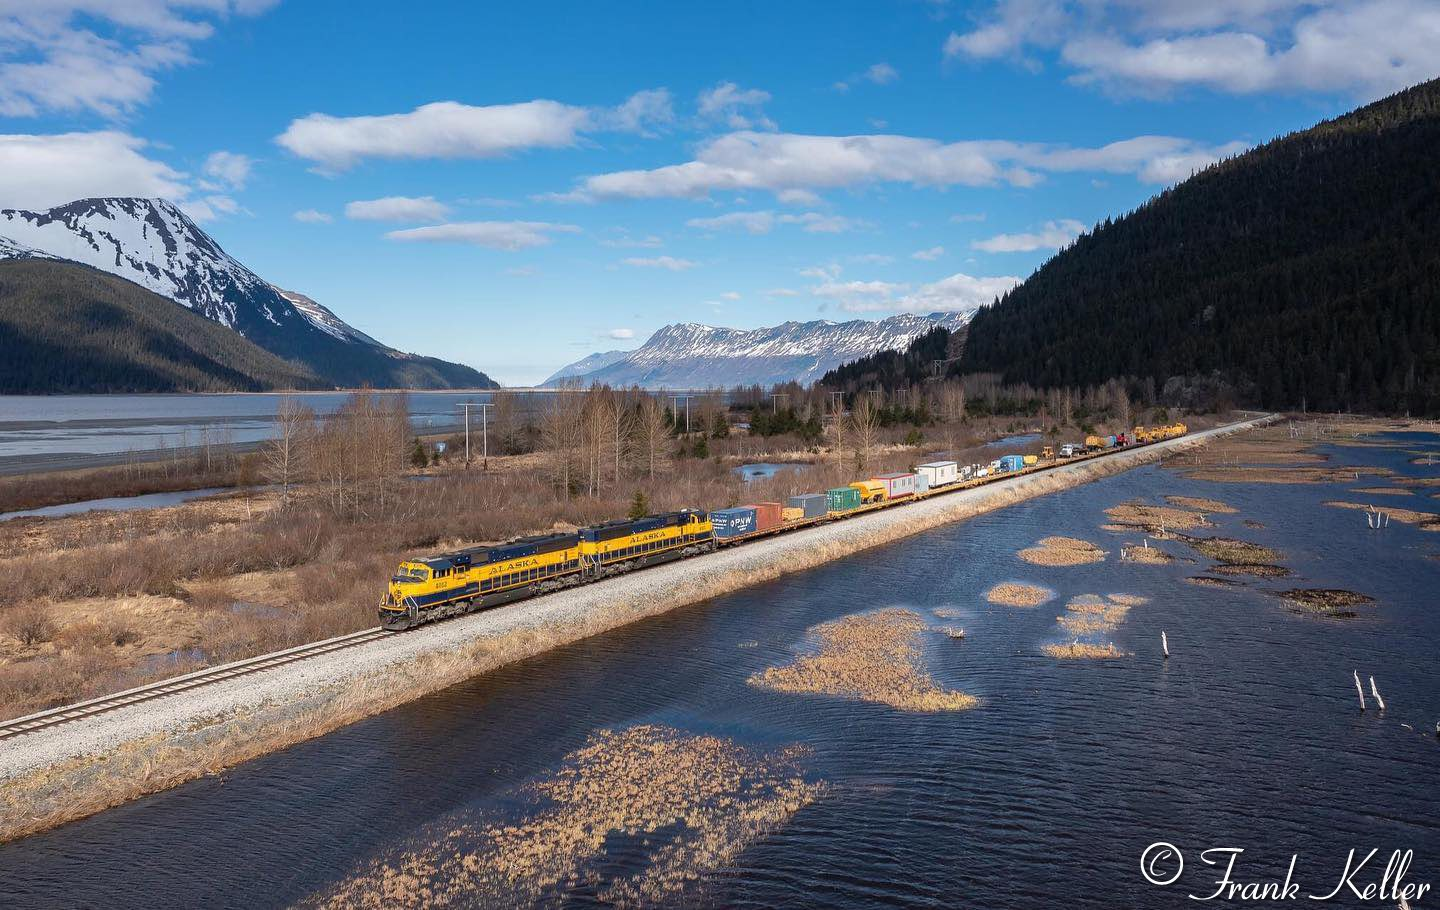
column 584, row 366
column 154, row 244
column 690, row 355
column 9, row 249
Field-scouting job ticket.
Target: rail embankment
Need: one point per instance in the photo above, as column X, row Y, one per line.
column 76, row 769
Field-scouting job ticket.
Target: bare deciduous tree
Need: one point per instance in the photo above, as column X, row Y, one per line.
column 287, row 457
column 865, row 426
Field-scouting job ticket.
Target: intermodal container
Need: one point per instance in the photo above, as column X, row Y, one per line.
column 1031, row 460
column 842, row 499
column 790, row 513
column 939, row 473
column 922, row 483
column 811, row 505
column 768, row 515
column 1109, row 442
column 733, row 522
column 1012, row 462
column 898, row 484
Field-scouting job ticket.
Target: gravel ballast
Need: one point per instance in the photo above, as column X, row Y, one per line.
column 75, row 769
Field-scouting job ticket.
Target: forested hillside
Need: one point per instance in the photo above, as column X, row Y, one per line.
column 925, row 357
column 1304, row 272
column 66, row 327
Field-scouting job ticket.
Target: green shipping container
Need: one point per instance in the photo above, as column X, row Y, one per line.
column 843, row 499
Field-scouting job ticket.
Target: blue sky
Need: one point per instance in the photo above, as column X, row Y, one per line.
column 515, row 186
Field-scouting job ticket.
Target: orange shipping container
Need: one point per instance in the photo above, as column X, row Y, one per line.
column 768, row 515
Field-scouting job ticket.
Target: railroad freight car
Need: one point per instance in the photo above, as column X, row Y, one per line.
column 842, row 499
column 939, row 473
column 733, row 522
column 1012, row 462
column 898, row 484
column 811, row 505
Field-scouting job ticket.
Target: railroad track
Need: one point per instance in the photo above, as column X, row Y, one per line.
column 44, row 720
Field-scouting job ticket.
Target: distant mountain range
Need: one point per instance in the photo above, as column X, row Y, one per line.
column 1303, row 273
column 689, row 355
column 155, row 245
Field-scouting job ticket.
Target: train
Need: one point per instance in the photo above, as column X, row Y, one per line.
column 431, row 588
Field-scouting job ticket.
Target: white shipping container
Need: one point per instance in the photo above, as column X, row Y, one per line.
column 939, row 473
column 897, row 484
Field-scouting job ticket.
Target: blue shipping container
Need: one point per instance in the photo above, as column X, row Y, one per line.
column 1110, row 441
column 732, row 522
column 1012, row 462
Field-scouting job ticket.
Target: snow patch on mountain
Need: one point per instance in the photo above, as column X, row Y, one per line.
column 691, row 355
column 323, row 319
column 9, row 249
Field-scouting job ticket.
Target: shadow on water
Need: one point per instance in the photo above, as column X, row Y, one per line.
column 1049, row 791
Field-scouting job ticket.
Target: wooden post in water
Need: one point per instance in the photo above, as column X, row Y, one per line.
column 1165, row 645
column 1359, row 691
column 1376, row 692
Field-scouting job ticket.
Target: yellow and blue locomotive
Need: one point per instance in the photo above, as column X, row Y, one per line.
column 475, row 578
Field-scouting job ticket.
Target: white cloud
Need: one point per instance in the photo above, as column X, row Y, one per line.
column 1362, row 47
column 644, row 112
column 730, row 295
column 737, row 108
column 930, row 255
column 38, row 172
column 877, row 74
column 669, row 263
column 449, row 129
column 781, row 292
column 957, row 294
column 1052, row 236
column 784, row 163
column 312, row 216
column 397, row 208
column 626, row 240
column 620, row 334
column 764, row 222
column 209, row 208
column 98, row 55
column 497, row 235
column 443, row 129
column 230, row 168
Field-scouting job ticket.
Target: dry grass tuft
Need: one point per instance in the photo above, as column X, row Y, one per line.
column 1086, row 620
column 1253, row 569
column 30, row 623
column 1145, row 555
column 690, row 804
column 1231, row 551
column 1016, row 594
column 872, row 657
column 1062, row 551
column 1154, row 518
column 1332, row 603
column 1200, row 504
column 1205, row 581
column 1077, row 650
column 1430, row 521
column 1383, row 491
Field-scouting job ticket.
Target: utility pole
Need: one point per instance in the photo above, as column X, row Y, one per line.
column 675, row 409
column 485, row 430
column 837, row 400
column 485, row 435
column 776, row 399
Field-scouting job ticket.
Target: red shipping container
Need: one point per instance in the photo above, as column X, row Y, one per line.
column 767, row 515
